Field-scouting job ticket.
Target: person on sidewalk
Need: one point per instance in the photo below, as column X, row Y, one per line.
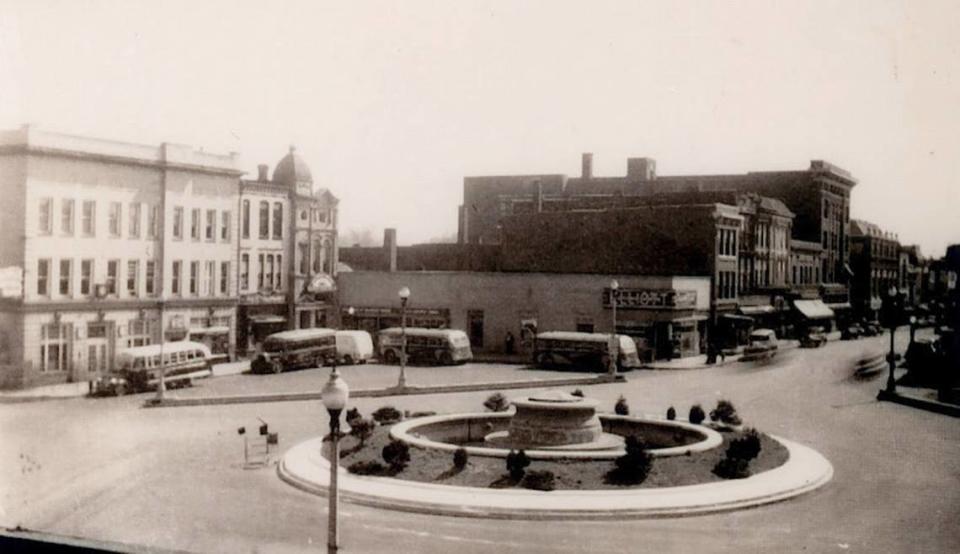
column 509, row 343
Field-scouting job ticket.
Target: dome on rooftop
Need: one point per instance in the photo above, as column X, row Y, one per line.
column 292, row 170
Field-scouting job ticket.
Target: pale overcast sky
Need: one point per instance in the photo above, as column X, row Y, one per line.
column 392, row 103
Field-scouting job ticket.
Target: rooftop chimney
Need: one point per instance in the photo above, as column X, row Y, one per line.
column 642, row 169
column 587, row 166
column 390, row 248
column 262, row 172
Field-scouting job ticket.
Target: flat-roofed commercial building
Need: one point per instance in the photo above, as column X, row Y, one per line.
column 118, row 245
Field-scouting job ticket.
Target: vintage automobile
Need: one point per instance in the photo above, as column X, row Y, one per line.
column 872, row 328
column 851, row 332
column 813, row 338
column 763, row 345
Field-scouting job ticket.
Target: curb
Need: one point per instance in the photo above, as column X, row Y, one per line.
column 391, row 391
column 806, row 470
column 920, row 403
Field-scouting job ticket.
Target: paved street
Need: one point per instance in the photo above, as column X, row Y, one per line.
column 173, row 478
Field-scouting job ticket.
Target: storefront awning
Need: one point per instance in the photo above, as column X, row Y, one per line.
column 839, row 306
column 756, row 310
column 216, row 330
column 737, row 318
column 267, row 318
column 813, row 309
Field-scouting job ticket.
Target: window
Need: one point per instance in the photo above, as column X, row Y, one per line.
column 317, row 256
column 175, row 278
column 475, row 327
column 277, row 220
column 225, row 226
column 270, row 270
column 134, row 228
column 151, row 276
column 133, row 274
column 114, row 219
column 140, row 332
column 43, row 277
column 153, row 223
column 178, row 222
column 44, row 216
column 210, row 287
column 278, row 280
column 66, row 276
column 194, row 277
column 54, row 347
column 304, row 253
column 211, row 225
column 244, row 271
column 224, row 276
column 245, row 219
column 113, row 267
column 89, row 218
column 195, row 224
column 327, row 257
column 66, row 217
column 264, row 219
column 262, row 264
column 86, row 276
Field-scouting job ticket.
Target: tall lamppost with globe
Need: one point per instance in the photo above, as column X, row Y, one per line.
column 404, row 294
column 891, row 313
column 334, row 395
column 614, row 350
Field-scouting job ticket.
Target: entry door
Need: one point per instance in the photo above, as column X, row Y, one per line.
column 99, row 358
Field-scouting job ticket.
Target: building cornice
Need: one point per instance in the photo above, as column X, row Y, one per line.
column 15, row 149
column 88, row 305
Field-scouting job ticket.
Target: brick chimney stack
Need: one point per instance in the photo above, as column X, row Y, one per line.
column 263, row 171
column 587, row 166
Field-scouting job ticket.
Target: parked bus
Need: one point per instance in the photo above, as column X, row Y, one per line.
column 442, row 346
column 583, row 350
column 354, row 347
column 138, row 368
column 292, row 349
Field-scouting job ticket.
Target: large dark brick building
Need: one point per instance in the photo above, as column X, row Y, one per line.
column 875, row 259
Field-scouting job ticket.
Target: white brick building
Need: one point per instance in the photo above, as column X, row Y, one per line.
column 110, row 236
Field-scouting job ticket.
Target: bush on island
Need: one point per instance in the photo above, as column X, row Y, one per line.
column 460, row 458
column 696, row 415
column 496, row 402
column 671, row 413
column 540, row 480
column 396, row 454
column 621, row 407
column 725, row 413
column 387, row 414
column 517, row 463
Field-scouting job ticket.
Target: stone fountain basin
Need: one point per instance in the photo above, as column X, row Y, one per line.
column 453, row 431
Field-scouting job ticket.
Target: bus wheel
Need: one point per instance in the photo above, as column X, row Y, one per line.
column 544, row 360
column 347, row 359
column 120, row 389
column 277, row 367
column 446, row 358
column 390, row 357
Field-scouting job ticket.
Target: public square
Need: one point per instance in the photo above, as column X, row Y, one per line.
column 173, row 478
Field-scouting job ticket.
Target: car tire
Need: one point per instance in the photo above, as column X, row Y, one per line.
column 390, row 357
column 347, row 359
column 446, row 358
column 277, row 367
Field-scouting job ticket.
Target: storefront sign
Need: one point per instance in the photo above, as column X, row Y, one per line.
column 388, row 312
column 652, row 299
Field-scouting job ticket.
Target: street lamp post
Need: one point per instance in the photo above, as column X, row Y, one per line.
column 334, row 395
column 162, row 384
column 614, row 350
column 350, row 312
column 913, row 328
column 404, row 294
column 892, row 321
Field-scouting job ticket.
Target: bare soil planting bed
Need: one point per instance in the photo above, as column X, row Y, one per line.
column 434, row 466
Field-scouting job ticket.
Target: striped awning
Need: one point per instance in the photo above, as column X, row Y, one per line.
column 813, row 309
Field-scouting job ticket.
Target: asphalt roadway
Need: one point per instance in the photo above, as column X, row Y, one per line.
column 174, row 478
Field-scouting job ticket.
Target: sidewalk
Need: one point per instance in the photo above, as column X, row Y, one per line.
column 921, row 398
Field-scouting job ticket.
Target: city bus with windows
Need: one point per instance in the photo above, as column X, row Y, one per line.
column 296, row 349
column 438, row 346
column 583, row 351
column 138, row 369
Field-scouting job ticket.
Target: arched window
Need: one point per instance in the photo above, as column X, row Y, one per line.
column 245, row 216
column 264, row 219
column 277, row 220
column 327, row 257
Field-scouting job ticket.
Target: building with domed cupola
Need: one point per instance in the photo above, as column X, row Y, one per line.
column 287, row 254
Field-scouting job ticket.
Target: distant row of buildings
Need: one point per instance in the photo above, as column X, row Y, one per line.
column 110, row 245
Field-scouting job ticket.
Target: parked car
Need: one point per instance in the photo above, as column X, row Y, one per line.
column 813, row 338
column 851, row 332
column 763, row 345
column 354, row 347
column 872, row 328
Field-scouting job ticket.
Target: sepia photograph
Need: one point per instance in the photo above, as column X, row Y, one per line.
column 480, row 276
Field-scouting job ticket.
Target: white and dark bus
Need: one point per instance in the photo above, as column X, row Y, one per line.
column 439, row 346
column 589, row 351
column 295, row 349
column 138, row 368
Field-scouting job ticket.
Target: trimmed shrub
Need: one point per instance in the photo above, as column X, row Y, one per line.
column 746, row 447
column 732, row 468
column 634, row 466
column 352, row 414
column 671, row 413
column 540, row 480
column 496, row 402
column 460, row 457
column 621, row 407
column 396, row 454
column 696, row 415
column 361, row 429
column 369, row 467
column 725, row 413
column 386, row 414
column 422, row 414
column 517, row 463
column 577, row 392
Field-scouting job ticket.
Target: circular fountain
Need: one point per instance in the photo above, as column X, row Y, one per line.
column 555, row 421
